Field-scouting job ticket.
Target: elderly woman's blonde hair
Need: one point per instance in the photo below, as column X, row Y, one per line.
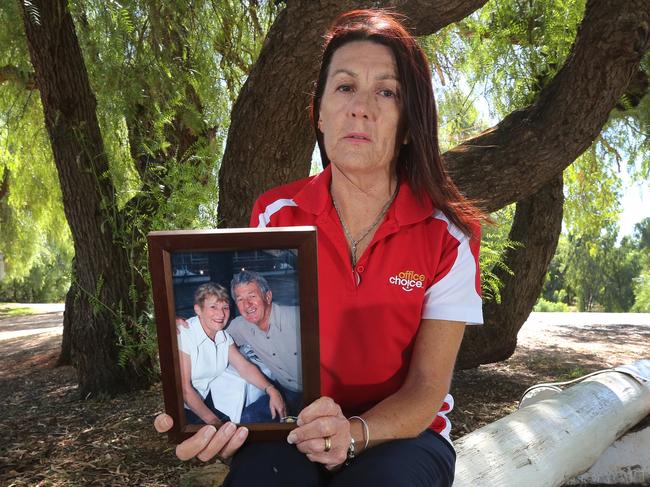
column 210, row 289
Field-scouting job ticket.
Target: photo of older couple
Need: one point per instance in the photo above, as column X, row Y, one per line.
column 238, row 336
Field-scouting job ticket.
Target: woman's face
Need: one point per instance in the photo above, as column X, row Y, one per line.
column 213, row 315
column 360, row 108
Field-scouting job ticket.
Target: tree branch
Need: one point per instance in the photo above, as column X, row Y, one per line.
column 529, row 147
column 22, row 78
column 427, row 17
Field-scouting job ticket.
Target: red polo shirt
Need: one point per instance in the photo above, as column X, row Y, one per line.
column 418, row 265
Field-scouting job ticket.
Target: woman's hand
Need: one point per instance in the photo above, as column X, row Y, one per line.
column 208, row 441
column 276, row 403
column 319, row 421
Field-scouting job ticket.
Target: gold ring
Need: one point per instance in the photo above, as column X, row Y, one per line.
column 328, row 443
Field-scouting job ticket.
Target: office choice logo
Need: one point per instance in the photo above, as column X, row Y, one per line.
column 407, row 280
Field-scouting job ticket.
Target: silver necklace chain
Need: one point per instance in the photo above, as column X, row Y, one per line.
column 352, row 242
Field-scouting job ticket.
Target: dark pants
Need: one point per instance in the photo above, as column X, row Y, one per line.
column 259, row 412
column 425, row 461
column 192, row 418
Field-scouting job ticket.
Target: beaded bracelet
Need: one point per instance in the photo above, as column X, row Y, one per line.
column 366, row 430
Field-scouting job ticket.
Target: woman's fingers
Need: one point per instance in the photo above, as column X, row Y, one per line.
column 315, row 450
column 319, row 428
column 209, row 442
column 323, row 406
column 196, row 443
column 236, row 441
column 217, row 442
column 163, row 423
column 323, row 433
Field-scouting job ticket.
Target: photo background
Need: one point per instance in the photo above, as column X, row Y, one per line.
column 191, row 269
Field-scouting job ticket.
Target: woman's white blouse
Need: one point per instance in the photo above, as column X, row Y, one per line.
column 208, row 358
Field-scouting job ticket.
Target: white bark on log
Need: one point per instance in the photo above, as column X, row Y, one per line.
column 626, row 462
column 549, row 442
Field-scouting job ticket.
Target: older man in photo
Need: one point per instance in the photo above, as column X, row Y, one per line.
column 273, row 333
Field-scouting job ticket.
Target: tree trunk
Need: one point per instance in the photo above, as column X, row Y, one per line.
column 65, row 356
column 270, row 141
column 102, row 276
column 536, row 226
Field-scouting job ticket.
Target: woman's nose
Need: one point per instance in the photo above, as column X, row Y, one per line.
column 360, row 105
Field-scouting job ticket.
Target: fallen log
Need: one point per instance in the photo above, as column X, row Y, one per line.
column 551, row 441
column 625, row 462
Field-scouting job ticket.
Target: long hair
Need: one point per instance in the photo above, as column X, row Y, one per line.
column 419, row 160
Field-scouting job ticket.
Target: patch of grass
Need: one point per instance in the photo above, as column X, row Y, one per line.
column 573, row 373
column 16, row 309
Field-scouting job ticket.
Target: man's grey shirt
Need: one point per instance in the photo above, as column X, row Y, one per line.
column 279, row 349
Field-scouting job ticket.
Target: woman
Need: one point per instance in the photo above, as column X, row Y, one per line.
column 205, row 352
column 398, row 275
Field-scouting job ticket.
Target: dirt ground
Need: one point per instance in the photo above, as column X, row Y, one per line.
column 53, row 437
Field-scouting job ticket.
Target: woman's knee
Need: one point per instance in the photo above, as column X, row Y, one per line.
column 271, row 464
column 426, row 461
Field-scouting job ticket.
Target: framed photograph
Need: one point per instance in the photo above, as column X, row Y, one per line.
column 237, row 318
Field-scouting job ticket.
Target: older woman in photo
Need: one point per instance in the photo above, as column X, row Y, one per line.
column 398, row 276
column 206, row 350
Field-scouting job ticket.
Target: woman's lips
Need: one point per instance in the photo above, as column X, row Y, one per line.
column 357, row 137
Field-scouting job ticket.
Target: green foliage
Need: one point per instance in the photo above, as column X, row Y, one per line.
column 641, row 286
column 47, row 280
column 594, row 274
column 592, row 192
column 550, row 306
column 494, row 245
column 642, row 293
column 512, row 49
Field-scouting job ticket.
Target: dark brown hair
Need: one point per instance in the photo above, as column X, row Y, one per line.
column 419, row 161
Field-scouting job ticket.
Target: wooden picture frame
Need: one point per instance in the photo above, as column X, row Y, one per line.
column 180, row 260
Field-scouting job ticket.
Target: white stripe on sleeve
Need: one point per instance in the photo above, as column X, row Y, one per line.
column 454, row 297
column 277, row 205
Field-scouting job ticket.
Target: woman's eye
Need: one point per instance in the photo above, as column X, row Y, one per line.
column 387, row 93
column 344, row 88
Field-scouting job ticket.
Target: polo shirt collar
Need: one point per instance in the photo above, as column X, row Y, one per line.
column 408, row 208
column 219, row 337
column 315, row 198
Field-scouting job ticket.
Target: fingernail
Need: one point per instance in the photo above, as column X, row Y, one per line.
column 243, row 432
column 230, row 428
column 209, row 432
column 299, row 422
column 167, row 422
column 291, row 439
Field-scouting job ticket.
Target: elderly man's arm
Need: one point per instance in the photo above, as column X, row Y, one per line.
column 254, row 376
